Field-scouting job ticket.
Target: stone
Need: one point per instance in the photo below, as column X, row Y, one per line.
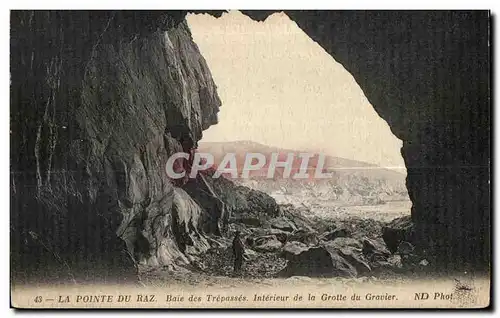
column 282, row 236
column 270, row 244
column 356, row 258
column 423, row 263
column 342, row 242
column 405, row 248
column 304, row 236
column 395, row 261
column 339, row 232
column 292, row 249
column 320, row 261
column 250, row 221
column 282, row 223
column 118, row 110
column 396, row 231
column 449, row 185
column 351, row 250
column 250, row 254
column 371, row 246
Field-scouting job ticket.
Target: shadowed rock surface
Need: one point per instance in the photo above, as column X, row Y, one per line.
column 322, row 261
column 397, row 231
column 427, row 74
column 100, row 99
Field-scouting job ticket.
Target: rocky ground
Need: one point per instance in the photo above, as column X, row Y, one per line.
column 297, row 245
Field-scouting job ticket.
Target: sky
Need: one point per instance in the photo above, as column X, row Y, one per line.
column 280, row 88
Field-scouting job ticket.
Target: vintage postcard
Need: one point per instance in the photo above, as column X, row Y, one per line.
column 250, row 159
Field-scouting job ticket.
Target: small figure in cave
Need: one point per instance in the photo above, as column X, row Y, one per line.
column 238, row 252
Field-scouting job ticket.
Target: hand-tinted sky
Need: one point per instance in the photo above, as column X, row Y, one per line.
column 280, row 88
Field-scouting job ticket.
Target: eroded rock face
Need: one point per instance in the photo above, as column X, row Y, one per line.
column 224, row 201
column 397, row 231
column 292, row 249
column 340, row 232
column 99, row 102
column 282, row 223
column 427, row 74
column 320, row 261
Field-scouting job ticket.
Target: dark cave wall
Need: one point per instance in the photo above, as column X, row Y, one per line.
column 427, row 74
column 99, row 101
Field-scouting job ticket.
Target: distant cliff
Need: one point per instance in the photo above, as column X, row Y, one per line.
column 350, row 182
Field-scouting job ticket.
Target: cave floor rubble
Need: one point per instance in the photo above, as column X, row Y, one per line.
column 349, row 236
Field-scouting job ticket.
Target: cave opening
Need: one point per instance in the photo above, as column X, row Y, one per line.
column 432, row 88
column 429, row 79
column 282, row 91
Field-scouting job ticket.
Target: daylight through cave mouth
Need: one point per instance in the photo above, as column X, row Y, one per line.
column 144, row 92
column 282, row 93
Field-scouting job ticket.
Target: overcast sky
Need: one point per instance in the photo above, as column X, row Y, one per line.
column 278, row 87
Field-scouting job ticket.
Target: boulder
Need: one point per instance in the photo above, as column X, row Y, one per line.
column 240, row 227
column 395, row 261
column 282, row 223
column 356, row 258
column 186, row 216
column 351, row 250
column 375, row 247
column 376, row 253
column 240, row 201
column 250, row 254
column 424, row 263
column 225, row 202
column 342, row 242
column 282, row 236
column 332, row 235
column 297, row 215
column 304, row 236
column 321, row 261
column 405, row 248
column 260, row 240
column 267, row 244
column 392, row 263
column 408, row 256
column 106, row 130
column 249, row 221
column 397, row 231
column 292, row 249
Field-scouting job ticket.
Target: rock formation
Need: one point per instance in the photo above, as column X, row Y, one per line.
column 100, row 99
column 427, row 74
